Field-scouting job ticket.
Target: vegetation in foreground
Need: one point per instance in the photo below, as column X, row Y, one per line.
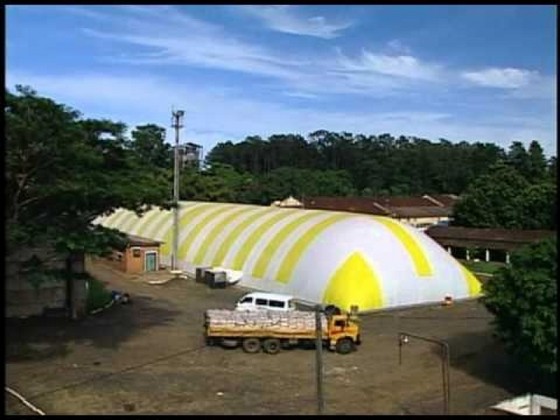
column 524, row 299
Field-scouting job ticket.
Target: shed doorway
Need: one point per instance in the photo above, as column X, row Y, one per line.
column 151, row 260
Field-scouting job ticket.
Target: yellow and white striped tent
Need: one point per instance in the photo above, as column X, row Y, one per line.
column 317, row 256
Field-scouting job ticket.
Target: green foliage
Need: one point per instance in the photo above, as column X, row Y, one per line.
column 503, row 198
column 98, row 296
column 148, row 142
column 380, row 164
column 219, row 183
column 63, row 171
column 493, row 200
column 523, row 298
column 483, row 266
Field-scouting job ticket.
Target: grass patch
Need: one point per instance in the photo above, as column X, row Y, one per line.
column 98, row 295
column 483, row 266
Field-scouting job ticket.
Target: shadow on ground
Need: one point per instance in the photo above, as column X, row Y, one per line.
column 481, row 355
column 42, row 338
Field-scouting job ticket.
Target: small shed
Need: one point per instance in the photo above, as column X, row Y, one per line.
column 140, row 255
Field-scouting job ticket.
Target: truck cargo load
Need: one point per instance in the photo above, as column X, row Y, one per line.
column 271, row 330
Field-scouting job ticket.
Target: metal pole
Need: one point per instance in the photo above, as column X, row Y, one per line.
column 177, row 115
column 444, row 363
column 319, row 359
column 400, row 349
column 445, row 369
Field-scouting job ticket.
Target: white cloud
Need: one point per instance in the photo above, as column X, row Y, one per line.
column 302, row 95
column 396, row 46
column 285, row 19
column 197, row 43
column 542, row 87
column 504, row 78
column 119, row 98
column 404, row 66
column 197, row 49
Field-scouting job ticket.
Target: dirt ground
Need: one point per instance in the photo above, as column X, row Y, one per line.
column 149, row 357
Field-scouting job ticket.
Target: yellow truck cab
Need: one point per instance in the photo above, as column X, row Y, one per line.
column 343, row 333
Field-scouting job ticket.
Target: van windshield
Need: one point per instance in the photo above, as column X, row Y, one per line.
column 247, row 299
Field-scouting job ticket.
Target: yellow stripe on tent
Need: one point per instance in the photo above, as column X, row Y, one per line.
column 216, row 230
column 119, row 215
column 153, row 231
column 234, row 234
column 123, row 220
column 259, row 270
column 472, row 282
column 185, row 217
column 298, row 249
column 254, row 237
column 354, row 283
column 129, row 223
column 412, row 246
column 148, row 220
column 188, row 241
column 108, row 222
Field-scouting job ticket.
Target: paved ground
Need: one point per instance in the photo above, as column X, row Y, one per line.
column 149, row 358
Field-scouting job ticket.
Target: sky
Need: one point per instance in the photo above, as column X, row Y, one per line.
column 463, row 73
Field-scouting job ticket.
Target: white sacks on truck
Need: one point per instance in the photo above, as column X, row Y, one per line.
column 279, row 322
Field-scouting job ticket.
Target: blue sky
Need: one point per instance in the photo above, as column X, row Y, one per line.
column 473, row 73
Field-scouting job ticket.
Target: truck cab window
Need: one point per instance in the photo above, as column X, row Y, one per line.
column 340, row 323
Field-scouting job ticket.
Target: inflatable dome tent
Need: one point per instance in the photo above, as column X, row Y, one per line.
column 317, row 256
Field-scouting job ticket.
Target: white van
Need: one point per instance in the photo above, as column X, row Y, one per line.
column 267, row 301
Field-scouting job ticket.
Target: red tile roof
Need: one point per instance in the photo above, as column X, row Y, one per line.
column 402, row 206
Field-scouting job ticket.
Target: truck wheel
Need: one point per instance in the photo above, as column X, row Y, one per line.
column 344, row 346
column 271, row 345
column 251, row 345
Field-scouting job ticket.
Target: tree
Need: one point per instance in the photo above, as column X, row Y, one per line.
column 539, row 206
column 537, row 162
column 518, row 157
column 502, row 198
column 493, row 200
column 523, row 298
column 62, row 172
column 148, row 142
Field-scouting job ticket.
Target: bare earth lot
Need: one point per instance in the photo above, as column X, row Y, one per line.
column 149, row 358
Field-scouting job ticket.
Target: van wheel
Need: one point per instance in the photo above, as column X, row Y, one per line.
column 251, row 345
column 345, row 346
column 271, row 345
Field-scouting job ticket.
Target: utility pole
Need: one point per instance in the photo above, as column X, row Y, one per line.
column 177, row 124
column 319, row 359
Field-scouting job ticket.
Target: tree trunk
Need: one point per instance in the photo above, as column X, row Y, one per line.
column 75, row 302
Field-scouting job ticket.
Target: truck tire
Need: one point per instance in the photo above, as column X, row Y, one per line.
column 271, row 345
column 345, row 346
column 251, row 345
